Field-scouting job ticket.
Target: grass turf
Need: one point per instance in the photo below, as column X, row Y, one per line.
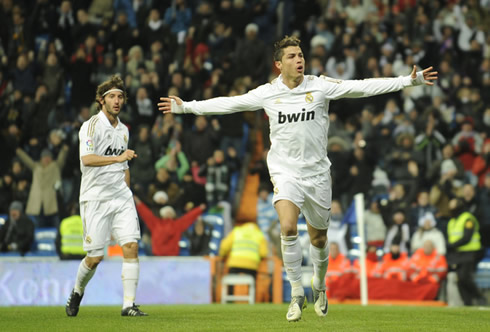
column 244, row 317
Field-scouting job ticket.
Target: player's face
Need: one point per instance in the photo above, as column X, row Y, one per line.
column 292, row 64
column 113, row 102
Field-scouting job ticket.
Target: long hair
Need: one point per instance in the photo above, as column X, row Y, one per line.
column 114, row 82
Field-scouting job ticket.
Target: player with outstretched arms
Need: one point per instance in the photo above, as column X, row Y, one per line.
column 106, row 202
column 297, row 107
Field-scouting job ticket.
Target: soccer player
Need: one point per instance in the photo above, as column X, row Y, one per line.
column 106, row 202
column 297, row 106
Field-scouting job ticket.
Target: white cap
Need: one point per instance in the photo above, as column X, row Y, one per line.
column 160, row 197
column 167, row 212
column 317, row 41
column 251, row 27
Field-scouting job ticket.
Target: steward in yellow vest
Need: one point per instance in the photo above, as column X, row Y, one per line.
column 245, row 247
column 70, row 238
column 464, row 246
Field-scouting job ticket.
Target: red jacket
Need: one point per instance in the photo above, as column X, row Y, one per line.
column 166, row 233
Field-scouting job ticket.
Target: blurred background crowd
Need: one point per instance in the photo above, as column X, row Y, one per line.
column 409, row 152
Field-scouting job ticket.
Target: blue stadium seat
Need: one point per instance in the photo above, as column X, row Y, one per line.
column 44, row 242
column 482, row 275
column 218, row 231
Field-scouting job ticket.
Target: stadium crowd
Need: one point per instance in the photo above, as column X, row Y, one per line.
column 409, row 152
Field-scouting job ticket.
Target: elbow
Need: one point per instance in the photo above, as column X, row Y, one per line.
column 85, row 161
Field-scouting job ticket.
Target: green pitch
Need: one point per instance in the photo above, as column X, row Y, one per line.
column 244, row 317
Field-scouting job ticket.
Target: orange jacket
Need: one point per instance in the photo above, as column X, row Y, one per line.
column 395, row 268
column 337, row 267
column 427, row 268
column 373, row 268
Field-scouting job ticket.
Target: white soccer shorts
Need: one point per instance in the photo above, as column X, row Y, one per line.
column 101, row 219
column 312, row 195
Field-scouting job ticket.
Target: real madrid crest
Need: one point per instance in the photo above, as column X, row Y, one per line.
column 309, row 97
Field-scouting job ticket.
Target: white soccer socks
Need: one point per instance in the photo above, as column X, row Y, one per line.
column 84, row 275
column 130, row 276
column 319, row 258
column 292, row 258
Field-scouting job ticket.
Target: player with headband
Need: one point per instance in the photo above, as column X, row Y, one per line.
column 106, row 202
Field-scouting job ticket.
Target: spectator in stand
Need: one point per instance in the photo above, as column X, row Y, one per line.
column 122, row 35
column 249, row 55
column 167, row 229
column 163, row 182
column 420, row 209
column 430, row 143
column 467, row 145
column 244, row 248
column 435, row 171
column 395, row 263
column 338, row 265
column 217, row 172
column 42, row 203
column 175, row 162
column 199, row 238
column 481, row 165
column 267, row 217
column 178, row 17
column 199, row 144
column 427, row 265
column 427, row 231
column 470, row 201
column 398, row 161
column 142, row 172
column 17, row 234
column 447, row 187
column 337, row 232
column 167, row 131
column 399, row 231
column 373, row 264
column 375, row 227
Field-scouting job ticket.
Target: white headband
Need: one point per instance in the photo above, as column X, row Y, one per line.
column 112, row 90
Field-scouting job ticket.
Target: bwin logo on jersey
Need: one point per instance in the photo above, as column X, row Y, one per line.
column 295, row 117
column 114, row 152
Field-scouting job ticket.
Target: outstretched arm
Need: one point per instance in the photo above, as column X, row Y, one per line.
column 250, row 101
column 337, row 89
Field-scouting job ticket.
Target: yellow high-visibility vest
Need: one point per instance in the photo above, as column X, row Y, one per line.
column 246, row 245
column 71, row 231
column 455, row 231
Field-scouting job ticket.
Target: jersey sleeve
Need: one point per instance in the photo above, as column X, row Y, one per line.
column 250, row 101
column 336, row 89
column 87, row 139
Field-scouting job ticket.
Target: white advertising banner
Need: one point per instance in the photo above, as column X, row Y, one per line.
column 50, row 281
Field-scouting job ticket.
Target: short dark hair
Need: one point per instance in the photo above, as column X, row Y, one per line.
column 114, row 82
column 280, row 45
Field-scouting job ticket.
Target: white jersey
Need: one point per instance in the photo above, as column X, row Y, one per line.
column 98, row 136
column 298, row 117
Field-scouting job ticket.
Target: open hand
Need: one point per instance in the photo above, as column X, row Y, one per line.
column 165, row 104
column 429, row 75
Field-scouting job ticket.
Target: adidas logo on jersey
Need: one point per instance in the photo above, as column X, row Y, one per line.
column 114, row 152
column 295, row 117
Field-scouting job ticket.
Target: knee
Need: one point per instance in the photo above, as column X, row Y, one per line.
column 93, row 262
column 319, row 241
column 130, row 250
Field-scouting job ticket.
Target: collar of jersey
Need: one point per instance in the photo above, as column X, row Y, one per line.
column 106, row 121
column 283, row 86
